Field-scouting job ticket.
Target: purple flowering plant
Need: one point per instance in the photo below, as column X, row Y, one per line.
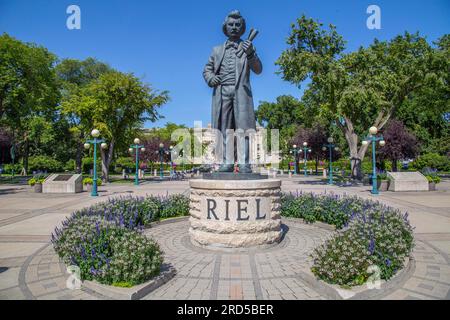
column 106, row 240
column 369, row 233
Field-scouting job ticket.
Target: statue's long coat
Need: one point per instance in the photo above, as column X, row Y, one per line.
column 243, row 111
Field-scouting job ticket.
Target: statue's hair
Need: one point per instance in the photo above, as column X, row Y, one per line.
column 236, row 15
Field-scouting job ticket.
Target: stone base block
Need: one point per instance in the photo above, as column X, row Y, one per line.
column 231, row 240
column 63, row 183
column 235, row 213
column 407, row 181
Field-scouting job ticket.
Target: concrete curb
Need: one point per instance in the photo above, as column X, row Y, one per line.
column 166, row 221
column 318, row 224
column 135, row 292
column 388, row 286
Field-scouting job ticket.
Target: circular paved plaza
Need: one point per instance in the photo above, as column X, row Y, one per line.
column 30, row 269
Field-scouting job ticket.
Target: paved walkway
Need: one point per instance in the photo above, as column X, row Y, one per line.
column 29, row 269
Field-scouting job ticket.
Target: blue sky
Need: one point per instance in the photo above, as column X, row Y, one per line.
column 167, row 43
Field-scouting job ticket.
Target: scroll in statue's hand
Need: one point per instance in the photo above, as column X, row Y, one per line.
column 248, row 48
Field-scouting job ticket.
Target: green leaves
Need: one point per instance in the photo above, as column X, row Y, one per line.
column 310, row 51
column 370, row 85
column 27, row 81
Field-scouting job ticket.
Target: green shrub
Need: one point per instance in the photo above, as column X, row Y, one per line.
column 433, row 161
column 382, row 176
column 8, row 168
column 378, row 237
column 44, row 163
column 342, row 164
column 326, row 208
column 125, row 163
column 91, row 181
column 174, row 206
column 36, row 179
column 366, row 166
column 370, row 234
column 70, row 165
column 104, row 240
column 433, row 178
column 107, row 253
column 87, row 164
column 135, row 212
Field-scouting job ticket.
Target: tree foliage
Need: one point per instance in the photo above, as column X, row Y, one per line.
column 358, row 89
column 400, row 143
column 117, row 104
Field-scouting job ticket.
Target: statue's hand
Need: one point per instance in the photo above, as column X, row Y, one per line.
column 215, row 81
column 248, row 47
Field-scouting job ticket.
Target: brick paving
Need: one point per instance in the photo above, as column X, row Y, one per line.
column 270, row 273
column 29, row 268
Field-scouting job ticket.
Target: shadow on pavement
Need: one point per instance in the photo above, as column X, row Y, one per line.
column 9, row 191
column 285, row 230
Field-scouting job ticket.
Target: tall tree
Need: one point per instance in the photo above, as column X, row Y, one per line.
column 117, row 104
column 400, row 144
column 426, row 112
column 359, row 89
column 28, row 88
column 151, row 153
column 285, row 114
column 316, row 137
column 74, row 75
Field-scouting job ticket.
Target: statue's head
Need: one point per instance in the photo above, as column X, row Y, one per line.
column 234, row 25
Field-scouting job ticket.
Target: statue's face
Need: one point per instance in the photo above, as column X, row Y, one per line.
column 234, row 28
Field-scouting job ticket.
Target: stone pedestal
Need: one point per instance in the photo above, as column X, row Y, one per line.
column 407, row 181
column 63, row 183
column 235, row 213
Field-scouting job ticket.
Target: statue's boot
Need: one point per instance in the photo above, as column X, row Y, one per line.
column 226, row 168
column 245, row 168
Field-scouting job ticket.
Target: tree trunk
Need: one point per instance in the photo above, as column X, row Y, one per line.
column 317, row 166
column 394, row 165
column 1, row 107
column 78, row 158
column 26, row 155
column 356, row 156
column 79, row 155
column 106, row 161
column 355, row 165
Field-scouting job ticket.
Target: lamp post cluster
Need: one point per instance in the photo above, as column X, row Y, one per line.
column 136, row 146
column 306, row 150
column 331, row 146
column 161, row 152
column 373, row 138
column 294, row 151
column 95, row 134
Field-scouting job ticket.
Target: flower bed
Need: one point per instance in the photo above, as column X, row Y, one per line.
column 370, row 234
column 137, row 212
column 106, row 243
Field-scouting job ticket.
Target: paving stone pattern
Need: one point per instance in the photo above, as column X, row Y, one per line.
column 30, row 269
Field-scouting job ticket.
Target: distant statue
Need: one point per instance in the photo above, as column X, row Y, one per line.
column 228, row 72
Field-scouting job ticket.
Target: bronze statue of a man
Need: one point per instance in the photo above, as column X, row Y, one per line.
column 228, row 73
